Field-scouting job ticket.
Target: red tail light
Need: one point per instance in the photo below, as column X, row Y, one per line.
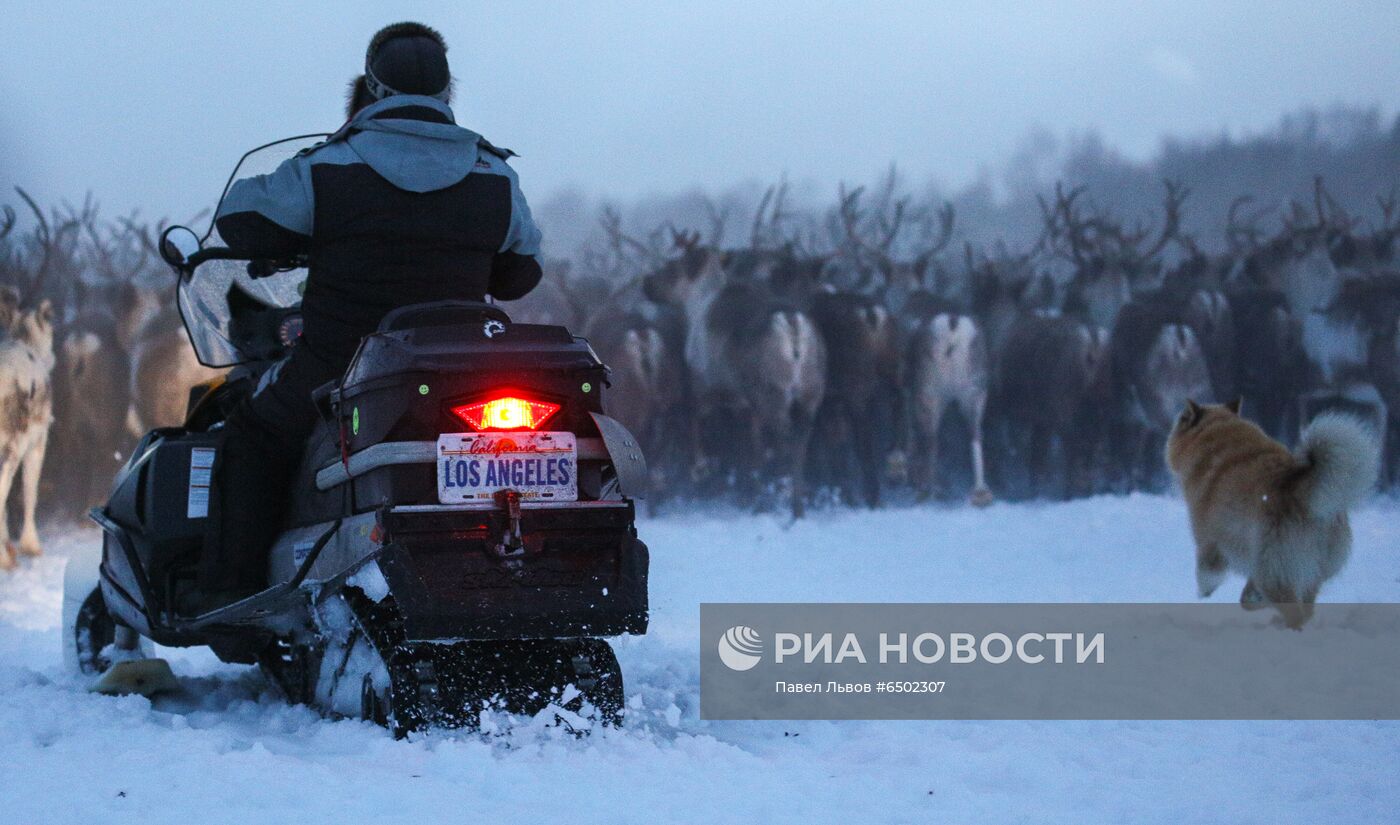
column 506, row 413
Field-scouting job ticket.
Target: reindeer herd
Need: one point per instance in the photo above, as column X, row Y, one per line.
column 855, row 354
column 92, row 354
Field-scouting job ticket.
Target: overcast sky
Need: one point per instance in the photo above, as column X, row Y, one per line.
column 150, row 103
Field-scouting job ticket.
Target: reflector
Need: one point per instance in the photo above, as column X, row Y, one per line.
column 507, row 413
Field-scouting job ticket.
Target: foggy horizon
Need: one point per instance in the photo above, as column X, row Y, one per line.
column 626, row 101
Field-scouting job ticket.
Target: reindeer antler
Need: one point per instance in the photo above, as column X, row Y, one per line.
column 1062, row 222
column 1172, row 200
column 143, row 232
column 887, row 227
column 48, row 239
column 945, row 216
column 1248, row 231
column 132, row 234
column 850, row 215
column 684, row 241
column 1390, row 218
column 770, row 215
column 1334, row 217
column 718, row 218
column 620, row 241
column 890, row 227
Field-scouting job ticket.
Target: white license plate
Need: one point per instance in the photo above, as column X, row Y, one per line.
column 473, row 467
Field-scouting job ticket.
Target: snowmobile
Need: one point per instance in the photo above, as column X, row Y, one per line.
column 461, row 534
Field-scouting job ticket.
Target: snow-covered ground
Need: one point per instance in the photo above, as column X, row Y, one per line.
column 227, row 750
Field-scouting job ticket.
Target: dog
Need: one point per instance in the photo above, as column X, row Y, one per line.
column 1279, row 518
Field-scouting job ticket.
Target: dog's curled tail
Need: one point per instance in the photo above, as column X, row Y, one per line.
column 1341, row 458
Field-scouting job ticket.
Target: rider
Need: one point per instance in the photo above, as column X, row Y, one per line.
column 400, row 206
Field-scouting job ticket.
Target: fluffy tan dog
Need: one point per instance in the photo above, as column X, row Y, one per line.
column 1279, row 518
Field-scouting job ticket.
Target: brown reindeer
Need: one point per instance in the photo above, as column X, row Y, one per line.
column 164, row 369
column 92, row 372
column 1046, row 374
column 750, row 356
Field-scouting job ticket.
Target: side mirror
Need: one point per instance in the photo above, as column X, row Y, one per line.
column 177, row 245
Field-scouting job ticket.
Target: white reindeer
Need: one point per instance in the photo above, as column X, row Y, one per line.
column 26, row 412
column 948, row 364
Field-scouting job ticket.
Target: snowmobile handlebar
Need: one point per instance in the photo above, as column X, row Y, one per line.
column 257, row 267
column 184, row 250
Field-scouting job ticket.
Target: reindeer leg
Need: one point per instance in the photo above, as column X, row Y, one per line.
column 1036, row 458
column 981, row 494
column 8, row 468
column 753, row 470
column 32, row 465
column 896, row 463
column 930, row 415
column 835, row 462
column 699, row 469
column 867, row 464
column 797, row 462
column 659, row 463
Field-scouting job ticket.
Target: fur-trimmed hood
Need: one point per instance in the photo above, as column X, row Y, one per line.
column 413, row 154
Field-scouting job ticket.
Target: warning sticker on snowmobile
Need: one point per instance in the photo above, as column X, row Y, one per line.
column 473, row 467
column 201, row 476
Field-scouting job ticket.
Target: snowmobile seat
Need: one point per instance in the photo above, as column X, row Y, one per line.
column 442, row 313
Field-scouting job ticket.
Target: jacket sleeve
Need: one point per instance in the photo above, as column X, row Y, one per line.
column 516, row 268
column 523, row 237
column 269, row 216
column 514, row 275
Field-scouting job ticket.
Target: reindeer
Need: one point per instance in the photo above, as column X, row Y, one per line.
column 748, row 353
column 1111, row 264
column 1157, row 365
column 865, row 410
column 26, row 363
column 1196, row 285
column 26, row 412
column 946, row 360
column 641, row 344
column 92, row 373
column 1267, row 351
column 1268, row 354
column 1046, row 373
column 164, row 369
column 947, row 363
column 642, row 348
column 1328, row 277
column 1385, row 371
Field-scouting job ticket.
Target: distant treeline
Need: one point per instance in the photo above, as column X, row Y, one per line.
column 1355, row 150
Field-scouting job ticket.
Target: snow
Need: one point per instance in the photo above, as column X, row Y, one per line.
column 228, row 750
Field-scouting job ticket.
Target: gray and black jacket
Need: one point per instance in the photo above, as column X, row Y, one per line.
column 401, row 206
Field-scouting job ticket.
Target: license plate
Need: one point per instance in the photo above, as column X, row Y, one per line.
column 473, row 467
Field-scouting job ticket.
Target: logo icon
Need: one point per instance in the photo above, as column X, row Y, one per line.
column 740, row 648
column 492, row 328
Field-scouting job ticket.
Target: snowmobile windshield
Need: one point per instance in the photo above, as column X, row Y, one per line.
column 219, row 291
